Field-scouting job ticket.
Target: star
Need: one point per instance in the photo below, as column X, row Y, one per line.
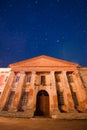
column 84, row 31
column 57, row 40
column 46, row 39
column 58, row 1
column 36, row 2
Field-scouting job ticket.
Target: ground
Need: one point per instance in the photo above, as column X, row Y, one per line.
column 41, row 124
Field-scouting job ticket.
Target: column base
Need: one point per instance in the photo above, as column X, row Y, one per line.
column 81, row 108
column 54, row 113
column 64, row 108
column 30, row 112
column 1, row 109
column 12, row 109
column 73, row 110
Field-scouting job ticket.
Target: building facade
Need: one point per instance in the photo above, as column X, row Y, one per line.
column 43, row 86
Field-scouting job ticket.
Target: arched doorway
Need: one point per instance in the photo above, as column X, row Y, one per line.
column 42, row 104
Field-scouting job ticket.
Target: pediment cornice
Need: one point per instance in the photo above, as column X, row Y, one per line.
column 43, row 61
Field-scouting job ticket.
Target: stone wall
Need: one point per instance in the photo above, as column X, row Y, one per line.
column 83, row 75
column 4, row 76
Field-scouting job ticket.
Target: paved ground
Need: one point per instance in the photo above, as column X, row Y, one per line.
column 41, row 124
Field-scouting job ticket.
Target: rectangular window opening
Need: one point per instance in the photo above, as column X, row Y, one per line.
column 75, row 99
column 43, row 80
column 28, row 78
column 17, row 78
column 69, row 77
column 60, row 98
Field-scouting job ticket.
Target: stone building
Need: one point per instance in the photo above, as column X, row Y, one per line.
column 43, row 86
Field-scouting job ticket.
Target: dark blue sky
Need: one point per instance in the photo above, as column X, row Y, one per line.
column 30, row 28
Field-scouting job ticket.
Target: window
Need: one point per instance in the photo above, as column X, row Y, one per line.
column 28, row 78
column 17, row 78
column 9, row 100
column 42, row 80
column 75, row 99
column 11, row 96
column 23, row 101
column 58, row 78
column 24, row 98
column 6, row 78
column 69, row 76
column 60, row 98
column 0, row 93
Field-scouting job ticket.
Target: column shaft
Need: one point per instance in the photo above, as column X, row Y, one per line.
column 64, row 83
column 18, row 92
column 6, row 90
column 67, row 91
column 54, row 101
column 80, row 92
column 31, row 102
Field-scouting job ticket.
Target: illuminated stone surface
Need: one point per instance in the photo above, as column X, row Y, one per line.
column 43, row 86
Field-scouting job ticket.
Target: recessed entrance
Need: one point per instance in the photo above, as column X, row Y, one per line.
column 42, row 104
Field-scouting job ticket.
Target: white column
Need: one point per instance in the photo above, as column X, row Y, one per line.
column 80, row 92
column 69, row 98
column 54, row 100
column 64, row 83
column 14, row 106
column 31, row 102
column 6, row 90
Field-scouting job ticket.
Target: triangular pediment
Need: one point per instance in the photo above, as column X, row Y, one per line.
column 42, row 61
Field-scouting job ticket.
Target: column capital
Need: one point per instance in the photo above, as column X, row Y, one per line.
column 64, row 72
column 52, row 72
column 22, row 72
column 75, row 72
column 33, row 72
column 12, row 72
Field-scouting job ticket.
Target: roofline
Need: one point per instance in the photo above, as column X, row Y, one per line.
column 42, row 56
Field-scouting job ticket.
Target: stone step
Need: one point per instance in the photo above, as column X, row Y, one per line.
column 57, row 116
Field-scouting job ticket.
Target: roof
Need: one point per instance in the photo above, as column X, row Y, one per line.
column 42, row 61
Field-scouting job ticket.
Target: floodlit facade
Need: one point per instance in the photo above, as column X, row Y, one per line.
column 43, row 86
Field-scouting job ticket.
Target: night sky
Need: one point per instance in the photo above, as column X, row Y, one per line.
column 30, row 28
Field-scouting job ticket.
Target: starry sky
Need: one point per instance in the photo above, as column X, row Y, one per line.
column 30, row 28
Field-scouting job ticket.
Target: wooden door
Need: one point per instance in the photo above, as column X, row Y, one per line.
column 42, row 106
